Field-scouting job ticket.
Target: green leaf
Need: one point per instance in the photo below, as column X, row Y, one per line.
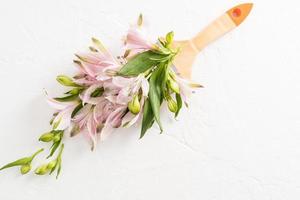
column 163, row 59
column 162, row 49
column 22, row 161
column 179, row 104
column 67, row 98
column 140, row 63
column 157, row 82
column 164, row 77
column 148, row 118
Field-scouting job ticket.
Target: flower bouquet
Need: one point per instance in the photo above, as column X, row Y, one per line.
column 109, row 93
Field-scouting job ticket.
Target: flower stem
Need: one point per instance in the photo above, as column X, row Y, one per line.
column 61, row 150
column 36, row 153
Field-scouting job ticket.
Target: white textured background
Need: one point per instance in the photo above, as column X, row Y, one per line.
column 239, row 140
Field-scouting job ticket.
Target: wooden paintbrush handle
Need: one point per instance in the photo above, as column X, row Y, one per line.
column 216, row 29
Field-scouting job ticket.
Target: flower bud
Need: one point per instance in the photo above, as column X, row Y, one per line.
column 134, row 105
column 46, row 137
column 51, row 164
column 169, row 37
column 56, row 137
column 172, row 105
column 173, row 86
column 74, row 91
column 66, row 81
column 41, row 170
column 25, row 169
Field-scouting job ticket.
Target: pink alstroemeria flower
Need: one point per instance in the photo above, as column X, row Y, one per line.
column 64, row 110
column 98, row 65
column 86, row 123
column 130, row 88
column 113, row 120
column 84, row 79
column 86, row 95
column 136, row 41
column 99, row 120
column 186, row 87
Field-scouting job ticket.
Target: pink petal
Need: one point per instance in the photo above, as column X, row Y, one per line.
column 112, row 99
column 145, row 87
column 129, row 119
column 113, row 121
column 122, row 81
column 137, row 40
column 92, row 129
column 91, row 69
column 94, row 64
column 86, row 96
column 123, row 98
column 85, row 81
column 57, row 104
column 64, row 118
column 98, row 112
column 82, row 113
column 105, row 132
column 185, row 89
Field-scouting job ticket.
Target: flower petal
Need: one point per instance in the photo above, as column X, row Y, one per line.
column 64, row 118
column 145, row 87
column 82, row 113
column 129, row 119
column 58, row 105
column 121, row 82
column 92, row 130
column 113, row 121
column 86, row 96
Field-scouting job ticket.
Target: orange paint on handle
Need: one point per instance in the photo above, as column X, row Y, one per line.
column 240, row 12
column 237, row 12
